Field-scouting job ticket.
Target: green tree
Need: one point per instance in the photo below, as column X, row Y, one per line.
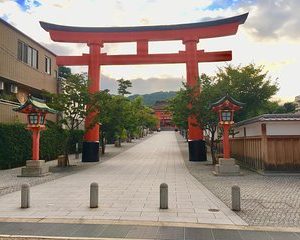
column 64, row 72
column 123, row 86
column 123, row 119
column 249, row 84
column 72, row 105
column 178, row 106
column 143, row 115
column 206, row 118
column 288, row 107
column 113, row 117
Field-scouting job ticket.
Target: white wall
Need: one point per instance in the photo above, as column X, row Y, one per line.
column 283, row 128
column 273, row 128
column 253, row 129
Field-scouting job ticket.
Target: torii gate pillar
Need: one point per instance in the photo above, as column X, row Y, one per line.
column 90, row 149
column 197, row 147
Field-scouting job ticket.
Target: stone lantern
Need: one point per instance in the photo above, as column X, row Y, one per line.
column 225, row 107
column 36, row 110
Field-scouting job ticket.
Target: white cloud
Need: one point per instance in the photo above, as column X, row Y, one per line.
column 274, row 19
column 270, row 35
column 143, row 86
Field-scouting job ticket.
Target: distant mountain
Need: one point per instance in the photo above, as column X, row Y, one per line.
column 151, row 98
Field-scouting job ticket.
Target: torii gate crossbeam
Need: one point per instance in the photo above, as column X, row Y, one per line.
column 189, row 34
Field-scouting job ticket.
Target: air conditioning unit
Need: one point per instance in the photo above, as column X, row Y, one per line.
column 14, row 88
column 1, row 85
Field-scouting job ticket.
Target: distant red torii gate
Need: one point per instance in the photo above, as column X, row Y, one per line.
column 189, row 34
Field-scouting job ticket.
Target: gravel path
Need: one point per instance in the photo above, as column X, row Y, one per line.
column 265, row 200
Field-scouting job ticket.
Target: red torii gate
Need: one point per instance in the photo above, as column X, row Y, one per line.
column 189, row 34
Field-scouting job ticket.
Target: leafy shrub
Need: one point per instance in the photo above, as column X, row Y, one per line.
column 52, row 142
column 76, row 137
column 16, row 144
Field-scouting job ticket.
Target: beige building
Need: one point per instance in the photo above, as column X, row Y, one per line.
column 26, row 67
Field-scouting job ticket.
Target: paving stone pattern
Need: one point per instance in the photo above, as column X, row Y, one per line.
column 128, row 190
column 10, row 182
column 265, row 200
column 136, row 232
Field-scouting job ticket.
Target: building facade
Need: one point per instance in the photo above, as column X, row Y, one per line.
column 26, row 67
column 163, row 115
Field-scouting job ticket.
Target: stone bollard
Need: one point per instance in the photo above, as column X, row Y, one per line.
column 25, row 195
column 94, row 194
column 163, row 196
column 236, row 198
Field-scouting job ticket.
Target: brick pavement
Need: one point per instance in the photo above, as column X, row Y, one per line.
column 266, row 200
column 9, row 182
column 129, row 190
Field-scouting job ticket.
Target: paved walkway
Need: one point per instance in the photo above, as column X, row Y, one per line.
column 9, row 182
column 129, row 190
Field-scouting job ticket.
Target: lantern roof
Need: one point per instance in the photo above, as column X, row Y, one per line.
column 34, row 104
column 227, row 102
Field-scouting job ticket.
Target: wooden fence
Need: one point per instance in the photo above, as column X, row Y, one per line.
column 267, row 153
column 248, row 152
column 283, row 153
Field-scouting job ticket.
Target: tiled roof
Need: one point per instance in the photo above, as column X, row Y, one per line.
column 37, row 103
column 230, row 99
column 270, row 118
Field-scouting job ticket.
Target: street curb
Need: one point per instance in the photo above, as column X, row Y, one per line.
column 151, row 223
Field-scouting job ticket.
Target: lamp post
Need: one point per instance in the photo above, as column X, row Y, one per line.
column 226, row 119
column 36, row 123
column 225, row 107
column 36, row 110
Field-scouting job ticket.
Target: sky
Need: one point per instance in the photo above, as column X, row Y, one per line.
column 270, row 36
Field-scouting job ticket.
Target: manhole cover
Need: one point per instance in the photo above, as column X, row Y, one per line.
column 214, row 210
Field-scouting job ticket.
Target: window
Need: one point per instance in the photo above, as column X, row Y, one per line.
column 48, row 65
column 34, row 58
column 27, row 54
column 33, row 119
column 226, row 116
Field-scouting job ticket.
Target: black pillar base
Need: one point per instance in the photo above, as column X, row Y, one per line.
column 90, row 152
column 197, row 150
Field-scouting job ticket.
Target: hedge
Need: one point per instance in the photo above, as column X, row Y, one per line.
column 15, row 145
column 16, row 141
